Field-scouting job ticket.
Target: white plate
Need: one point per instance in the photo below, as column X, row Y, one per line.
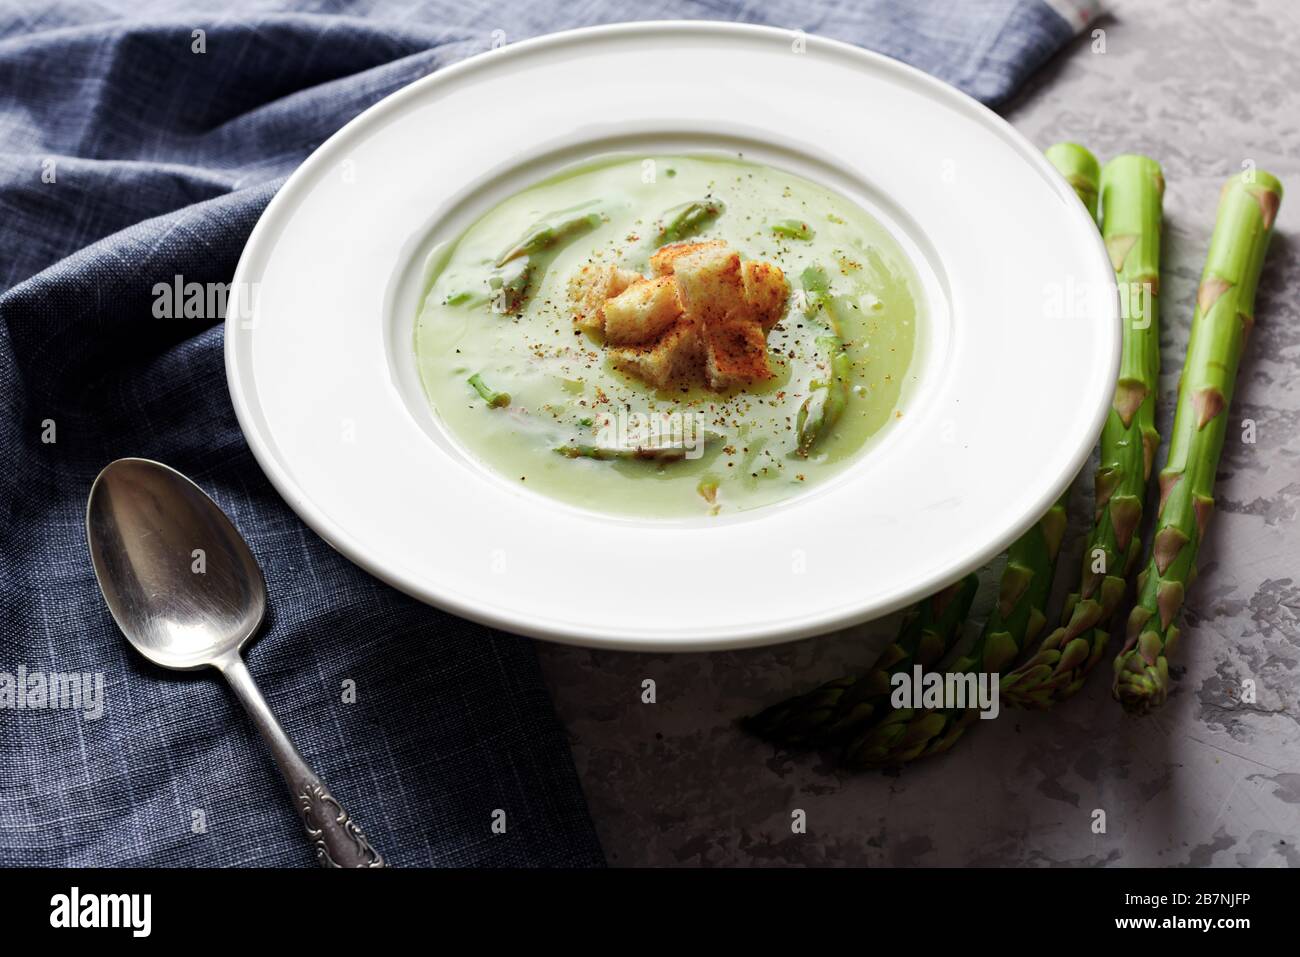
column 1012, row 391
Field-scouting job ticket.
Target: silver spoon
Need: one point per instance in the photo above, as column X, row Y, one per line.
column 187, row 593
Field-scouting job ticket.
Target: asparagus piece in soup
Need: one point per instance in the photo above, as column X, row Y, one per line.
column 688, row 219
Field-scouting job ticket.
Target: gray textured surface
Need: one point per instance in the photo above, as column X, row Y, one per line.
column 1201, row 87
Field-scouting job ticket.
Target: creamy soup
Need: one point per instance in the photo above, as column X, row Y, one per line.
column 540, row 399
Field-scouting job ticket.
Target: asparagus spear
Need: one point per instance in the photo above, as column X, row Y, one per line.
column 603, row 453
column 512, row 285
column 656, row 449
column 1080, row 169
column 837, row 708
column 494, row 399
column 1131, row 191
column 817, row 295
column 906, row 733
column 826, row 397
column 1225, row 304
column 521, row 267
column 688, row 219
column 793, row 229
column 547, row 235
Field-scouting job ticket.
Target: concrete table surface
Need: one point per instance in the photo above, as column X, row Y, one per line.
column 1203, row 87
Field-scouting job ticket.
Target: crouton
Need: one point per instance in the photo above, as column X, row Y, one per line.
column 642, row 311
column 735, row 353
column 661, row 263
column 709, row 285
column 765, row 291
column 703, row 313
column 674, row 357
column 591, row 286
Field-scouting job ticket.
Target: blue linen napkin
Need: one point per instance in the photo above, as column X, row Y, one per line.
column 130, row 156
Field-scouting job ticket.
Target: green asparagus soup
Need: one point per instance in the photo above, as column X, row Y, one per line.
column 547, row 401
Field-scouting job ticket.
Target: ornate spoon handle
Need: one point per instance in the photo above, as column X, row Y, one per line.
column 337, row 838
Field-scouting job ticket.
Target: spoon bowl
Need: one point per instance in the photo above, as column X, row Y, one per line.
column 176, row 574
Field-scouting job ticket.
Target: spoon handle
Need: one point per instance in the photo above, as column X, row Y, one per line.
column 337, row 838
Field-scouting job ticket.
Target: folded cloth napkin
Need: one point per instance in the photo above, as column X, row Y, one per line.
column 140, row 142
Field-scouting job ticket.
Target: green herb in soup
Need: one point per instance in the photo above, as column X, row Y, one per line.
column 715, row 338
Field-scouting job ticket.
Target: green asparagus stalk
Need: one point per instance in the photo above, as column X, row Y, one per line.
column 827, row 714
column 668, row 449
column 793, row 229
column 1080, row 169
column 817, row 295
column 464, row 297
column 519, row 270
column 494, row 399
column 1131, row 191
column 1224, row 314
column 686, row 220
column 818, row 302
column 512, row 284
column 826, row 397
column 906, row 734
column 547, row 235
column 601, row 453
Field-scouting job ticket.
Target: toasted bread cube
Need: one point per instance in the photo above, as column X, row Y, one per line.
column 735, row 353
column 671, row 359
column 765, row 291
column 709, row 285
column 642, row 311
column 591, row 286
column 663, row 260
